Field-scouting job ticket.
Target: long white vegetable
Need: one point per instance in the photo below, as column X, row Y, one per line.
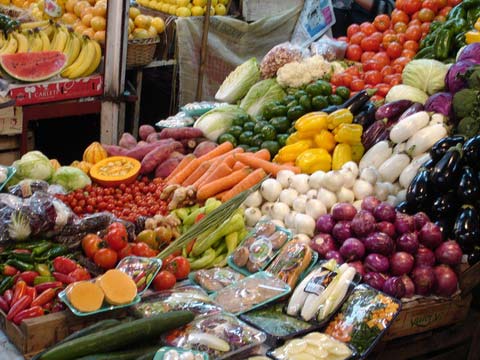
column 391, row 168
column 407, row 127
column 410, row 171
column 376, row 155
column 209, row 340
column 338, row 293
column 425, row 139
column 299, row 295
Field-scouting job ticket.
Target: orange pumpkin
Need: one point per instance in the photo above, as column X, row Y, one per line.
column 94, row 153
column 56, row 165
column 115, row 170
column 82, row 165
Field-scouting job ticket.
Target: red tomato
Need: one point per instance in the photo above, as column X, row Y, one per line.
column 399, row 4
column 399, row 16
column 401, row 61
column 142, row 249
column 394, row 50
column 408, row 53
column 413, row 33
column 357, row 85
column 353, row 70
column 337, row 79
column 388, row 38
column 367, row 28
column 425, row 27
column 347, row 79
column 167, row 260
column 179, row 266
column 415, row 16
column 117, row 237
column 366, row 56
column 386, row 70
column 401, row 38
column 453, row 3
column 445, row 11
column 370, row 44
column 373, row 77
column 80, row 274
column 383, row 58
column 164, row 280
column 394, row 79
column 430, row 4
column 372, row 65
column 64, row 265
column 382, row 22
column 354, row 52
column 382, row 89
column 353, row 29
column 90, row 244
column 441, row 3
column 357, row 38
column 400, row 27
column 411, row 45
column 414, row 22
column 440, row 18
column 412, row 6
column 126, row 251
column 376, row 98
column 105, row 258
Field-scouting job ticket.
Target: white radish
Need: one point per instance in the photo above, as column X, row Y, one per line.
column 391, row 168
column 400, row 148
column 411, row 170
column 376, row 155
column 407, row 127
column 424, row 139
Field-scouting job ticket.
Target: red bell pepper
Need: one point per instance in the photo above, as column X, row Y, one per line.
column 47, row 285
column 29, row 277
column 4, row 305
column 21, row 304
column 63, row 278
column 44, row 297
column 32, row 312
column 8, row 296
column 19, row 291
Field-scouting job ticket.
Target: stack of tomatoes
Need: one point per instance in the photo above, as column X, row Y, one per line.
column 174, row 268
column 385, row 46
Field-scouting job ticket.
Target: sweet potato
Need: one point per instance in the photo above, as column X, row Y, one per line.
column 127, row 141
column 145, row 130
column 180, row 133
column 153, row 137
column 142, row 143
column 139, row 152
column 204, row 147
column 166, row 167
column 114, row 150
column 158, row 155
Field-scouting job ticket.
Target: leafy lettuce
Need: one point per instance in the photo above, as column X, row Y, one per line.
column 260, row 94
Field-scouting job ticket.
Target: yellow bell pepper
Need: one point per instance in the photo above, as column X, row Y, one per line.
column 342, row 116
column 313, row 160
column 315, row 121
column 325, row 140
column 341, row 155
column 298, row 136
column 472, row 37
column 477, row 25
column 290, row 153
column 348, row 133
column 357, row 152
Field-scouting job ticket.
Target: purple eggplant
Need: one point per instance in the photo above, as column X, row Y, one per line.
column 392, row 110
column 416, row 107
column 375, row 133
column 366, row 116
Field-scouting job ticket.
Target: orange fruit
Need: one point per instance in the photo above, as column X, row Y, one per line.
column 69, row 18
column 69, row 5
column 89, row 32
column 100, row 36
column 87, row 19
column 79, row 7
column 142, row 21
column 98, row 23
column 100, row 9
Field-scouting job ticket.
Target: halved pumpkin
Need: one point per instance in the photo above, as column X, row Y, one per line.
column 85, row 296
column 115, row 170
column 118, row 287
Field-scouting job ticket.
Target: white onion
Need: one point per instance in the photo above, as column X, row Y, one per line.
column 300, row 183
column 370, row 174
column 271, row 189
column 284, row 176
column 362, row 189
column 300, row 203
column 279, row 211
column 348, row 178
column 287, row 196
column 315, row 180
column 254, row 199
column 333, row 181
column 252, row 216
column 345, row 195
column 352, row 167
column 315, row 208
column 328, row 198
column 304, row 224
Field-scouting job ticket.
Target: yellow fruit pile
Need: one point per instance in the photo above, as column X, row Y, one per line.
column 143, row 26
column 186, row 8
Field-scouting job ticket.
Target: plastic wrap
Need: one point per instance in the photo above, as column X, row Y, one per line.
column 172, row 353
column 329, row 48
column 278, row 56
column 181, row 119
column 197, row 109
column 220, row 335
column 215, row 279
column 141, row 269
column 28, row 187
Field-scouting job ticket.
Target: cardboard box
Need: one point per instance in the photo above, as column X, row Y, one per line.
column 11, row 120
column 253, row 10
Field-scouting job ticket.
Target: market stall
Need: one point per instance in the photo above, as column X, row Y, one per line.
column 325, row 205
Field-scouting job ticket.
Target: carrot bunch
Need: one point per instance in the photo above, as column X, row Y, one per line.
column 225, row 171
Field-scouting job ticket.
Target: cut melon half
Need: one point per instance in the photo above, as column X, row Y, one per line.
column 118, row 287
column 85, row 296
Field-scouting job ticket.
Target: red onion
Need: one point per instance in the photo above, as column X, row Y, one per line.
column 420, row 219
column 363, row 223
column 408, row 242
column 394, row 287
column 424, row 279
column 358, row 267
column 325, row 223
column 385, row 212
column 446, row 281
column 352, row 249
column 386, row 228
column 370, row 203
column 404, row 223
column 375, row 280
column 449, row 253
column 430, row 235
column 342, row 231
column 409, row 286
column 401, row 263
column 323, row 243
column 343, row 211
column 424, row 257
column 335, row 255
column 379, row 243
column 376, row 263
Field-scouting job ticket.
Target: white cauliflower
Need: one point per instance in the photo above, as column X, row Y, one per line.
column 297, row 74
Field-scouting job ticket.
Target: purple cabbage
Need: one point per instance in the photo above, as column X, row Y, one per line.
column 453, row 80
column 440, row 103
column 470, row 52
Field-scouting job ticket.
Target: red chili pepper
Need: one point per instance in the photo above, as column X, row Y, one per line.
column 44, row 297
column 9, row 270
column 31, row 291
column 4, row 305
column 21, row 304
column 29, row 276
column 48, row 306
column 47, row 285
column 18, row 291
column 8, row 296
column 57, row 307
column 21, row 251
column 34, row 311
column 63, row 278
column 139, row 276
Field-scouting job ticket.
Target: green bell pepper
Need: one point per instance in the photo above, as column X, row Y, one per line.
column 426, row 53
column 443, row 43
column 458, row 12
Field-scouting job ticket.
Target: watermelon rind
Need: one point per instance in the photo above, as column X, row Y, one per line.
column 34, row 66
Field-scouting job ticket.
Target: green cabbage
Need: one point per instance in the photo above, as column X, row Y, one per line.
column 217, row 121
column 406, row 92
column 71, row 178
column 260, row 94
column 425, row 74
column 34, row 165
column 237, row 83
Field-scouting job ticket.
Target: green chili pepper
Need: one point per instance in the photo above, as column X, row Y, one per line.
column 472, row 16
column 207, row 258
column 39, row 250
column 20, row 265
column 426, row 53
column 443, row 43
column 43, row 269
column 57, row 250
column 6, row 283
column 24, row 257
column 43, row 279
column 456, row 25
column 31, row 244
column 458, row 12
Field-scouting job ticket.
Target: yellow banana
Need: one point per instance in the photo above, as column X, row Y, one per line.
column 11, row 46
column 96, row 60
column 59, row 40
column 36, row 43
column 76, row 46
column 49, row 31
column 46, row 41
column 68, row 46
column 82, row 62
column 2, row 39
column 22, row 42
column 34, row 24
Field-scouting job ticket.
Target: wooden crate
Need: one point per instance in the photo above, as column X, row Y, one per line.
column 253, row 10
column 469, row 277
column 427, row 314
column 34, row 335
column 10, row 147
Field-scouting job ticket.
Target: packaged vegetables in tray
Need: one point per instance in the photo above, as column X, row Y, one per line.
column 220, row 335
column 312, row 346
column 189, row 298
column 363, row 318
column 172, row 353
column 215, row 279
column 251, row 292
column 259, row 248
column 141, row 269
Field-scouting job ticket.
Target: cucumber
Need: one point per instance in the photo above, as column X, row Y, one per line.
column 119, row 337
column 125, row 354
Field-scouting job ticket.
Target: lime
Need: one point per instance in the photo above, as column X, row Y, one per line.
column 314, row 89
column 282, row 139
column 305, row 102
column 319, row 102
column 295, row 112
column 272, row 146
column 257, row 140
column 248, row 126
column 280, row 123
column 268, row 132
column 335, row 100
column 245, row 137
column 325, row 87
column 343, row 92
column 227, row 137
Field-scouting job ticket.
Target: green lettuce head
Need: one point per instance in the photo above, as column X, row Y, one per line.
column 71, row 178
column 34, row 165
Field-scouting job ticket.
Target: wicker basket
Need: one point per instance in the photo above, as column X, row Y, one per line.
column 140, row 52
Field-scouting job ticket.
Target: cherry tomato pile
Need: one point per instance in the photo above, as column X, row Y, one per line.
column 127, row 202
column 385, row 46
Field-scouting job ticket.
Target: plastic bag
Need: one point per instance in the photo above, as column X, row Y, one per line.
column 181, row 119
column 280, row 55
column 329, row 48
column 27, row 188
column 216, row 278
column 197, row 109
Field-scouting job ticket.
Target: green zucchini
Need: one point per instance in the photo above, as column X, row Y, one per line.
column 125, row 354
column 119, row 337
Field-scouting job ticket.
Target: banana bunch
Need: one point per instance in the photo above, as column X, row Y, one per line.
column 83, row 56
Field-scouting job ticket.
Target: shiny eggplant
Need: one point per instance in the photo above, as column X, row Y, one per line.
column 474, row 256
column 366, row 117
column 444, row 205
column 404, row 207
column 468, row 189
column 441, row 146
column 467, row 228
column 392, row 110
column 354, row 104
column 471, row 151
column 418, row 192
column 445, row 174
column 446, row 227
column 429, row 165
column 416, row 107
column 374, row 134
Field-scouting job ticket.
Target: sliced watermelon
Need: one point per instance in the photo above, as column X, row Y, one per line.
column 34, row 66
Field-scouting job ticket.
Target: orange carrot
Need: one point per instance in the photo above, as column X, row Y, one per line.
column 263, row 154
column 185, row 161
column 256, row 163
column 199, row 171
column 183, row 174
column 252, row 179
column 212, row 188
column 238, row 165
column 229, row 161
column 294, row 169
column 220, row 195
column 219, row 150
column 219, row 171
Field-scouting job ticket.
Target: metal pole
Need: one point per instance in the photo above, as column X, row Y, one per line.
column 115, row 68
column 203, row 51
